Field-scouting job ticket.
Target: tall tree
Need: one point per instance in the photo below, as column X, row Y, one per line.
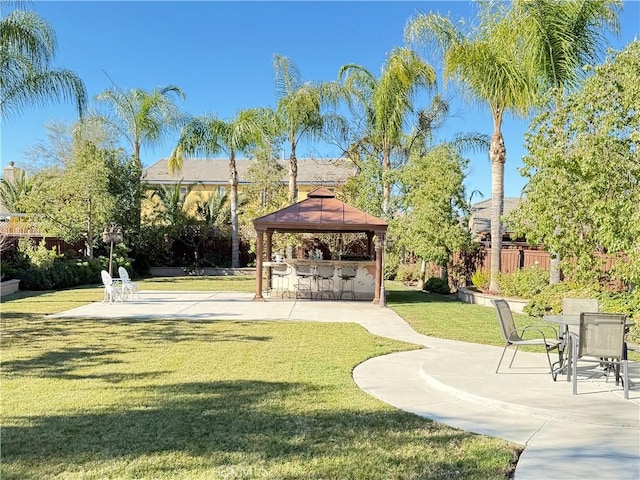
column 386, row 103
column 434, row 202
column 583, row 171
column 75, row 203
column 508, row 58
column 142, row 117
column 27, row 47
column 566, row 37
column 492, row 67
column 208, row 135
column 298, row 114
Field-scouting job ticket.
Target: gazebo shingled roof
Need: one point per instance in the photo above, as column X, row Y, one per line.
column 320, row 212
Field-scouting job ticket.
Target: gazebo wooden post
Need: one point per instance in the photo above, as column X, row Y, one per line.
column 268, row 257
column 259, row 247
column 380, row 261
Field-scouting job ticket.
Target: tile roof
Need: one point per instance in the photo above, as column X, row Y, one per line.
column 320, row 212
column 480, row 221
column 215, row 171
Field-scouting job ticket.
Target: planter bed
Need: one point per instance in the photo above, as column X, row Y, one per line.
column 478, row 298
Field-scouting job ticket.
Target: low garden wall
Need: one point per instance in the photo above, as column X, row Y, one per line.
column 8, row 287
column 182, row 271
column 478, row 298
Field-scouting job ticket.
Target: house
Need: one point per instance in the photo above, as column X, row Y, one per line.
column 212, row 174
column 480, row 218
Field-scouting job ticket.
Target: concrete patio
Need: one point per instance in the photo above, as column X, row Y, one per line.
column 593, row 434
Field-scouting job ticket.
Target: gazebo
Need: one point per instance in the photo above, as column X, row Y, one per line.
column 321, row 212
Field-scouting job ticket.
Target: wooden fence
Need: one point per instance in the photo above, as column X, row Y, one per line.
column 514, row 259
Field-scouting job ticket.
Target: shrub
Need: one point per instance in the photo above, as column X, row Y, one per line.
column 392, row 265
column 523, row 283
column 481, row 279
column 409, row 273
column 437, row 285
column 61, row 274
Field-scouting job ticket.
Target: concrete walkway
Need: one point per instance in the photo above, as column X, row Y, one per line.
column 595, row 434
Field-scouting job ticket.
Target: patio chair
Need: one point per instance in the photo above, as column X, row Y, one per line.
column 324, row 281
column 515, row 336
column 111, row 292
column 576, row 306
column 304, row 275
column 347, row 277
column 601, row 336
column 127, row 284
column 280, row 278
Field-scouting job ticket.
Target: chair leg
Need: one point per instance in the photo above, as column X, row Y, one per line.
column 625, row 378
column 514, row 356
column 574, row 369
column 502, row 356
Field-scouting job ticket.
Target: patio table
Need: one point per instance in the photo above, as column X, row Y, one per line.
column 564, row 322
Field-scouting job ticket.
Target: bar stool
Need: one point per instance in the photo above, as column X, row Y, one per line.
column 280, row 275
column 347, row 277
column 324, row 280
column 304, row 276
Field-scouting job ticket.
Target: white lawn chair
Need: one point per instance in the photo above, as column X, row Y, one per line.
column 111, row 292
column 127, row 284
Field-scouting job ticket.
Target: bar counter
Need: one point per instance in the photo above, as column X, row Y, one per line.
column 286, row 279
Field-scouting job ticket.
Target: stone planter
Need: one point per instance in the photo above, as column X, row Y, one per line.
column 8, row 287
column 478, row 298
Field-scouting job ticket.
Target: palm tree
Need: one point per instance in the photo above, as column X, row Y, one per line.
column 509, row 59
column 494, row 68
column 208, row 135
column 173, row 202
column 14, row 190
column 386, row 102
column 566, row 36
column 27, row 46
column 142, row 117
column 298, row 112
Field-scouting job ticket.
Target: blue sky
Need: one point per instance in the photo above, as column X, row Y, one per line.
column 220, row 54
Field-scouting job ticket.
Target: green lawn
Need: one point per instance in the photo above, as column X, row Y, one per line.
column 192, row 399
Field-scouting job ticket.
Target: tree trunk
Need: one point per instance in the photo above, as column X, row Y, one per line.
column 386, row 187
column 498, row 156
column 136, row 173
column 89, row 231
column 233, row 182
column 554, row 269
column 293, row 175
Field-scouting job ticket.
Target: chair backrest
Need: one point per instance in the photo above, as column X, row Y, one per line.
column 348, row 272
column 106, row 278
column 505, row 318
column 303, row 270
column 324, row 271
column 124, row 275
column 282, row 269
column 601, row 335
column 576, row 306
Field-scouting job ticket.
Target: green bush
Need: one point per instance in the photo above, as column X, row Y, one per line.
column 409, row 273
column 61, row 274
column 437, row 285
column 523, row 283
column 391, row 265
column 481, row 280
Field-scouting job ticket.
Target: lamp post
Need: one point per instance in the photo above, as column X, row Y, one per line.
column 112, row 234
